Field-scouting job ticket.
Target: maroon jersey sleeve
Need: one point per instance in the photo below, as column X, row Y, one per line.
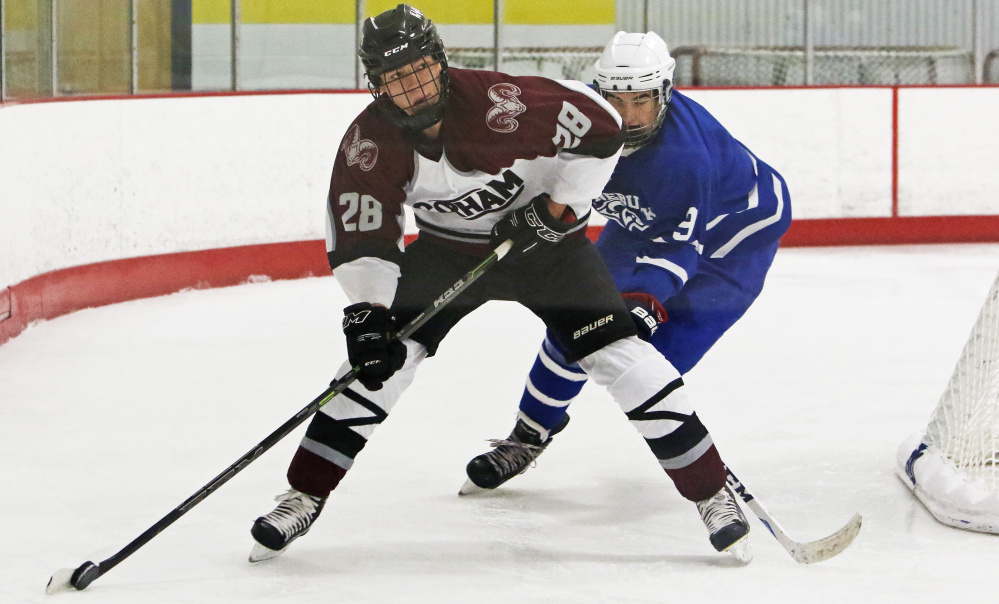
column 367, row 191
column 573, row 117
column 495, row 119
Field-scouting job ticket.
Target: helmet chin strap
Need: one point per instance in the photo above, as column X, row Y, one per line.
column 637, row 137
column 420, row 119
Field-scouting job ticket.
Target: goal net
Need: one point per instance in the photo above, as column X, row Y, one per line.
column 953, row 468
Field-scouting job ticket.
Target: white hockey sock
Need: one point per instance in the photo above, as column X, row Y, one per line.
column 649, row 389
column 633, row 371
column 362, row 410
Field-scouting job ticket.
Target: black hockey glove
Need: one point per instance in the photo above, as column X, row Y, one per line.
column 370, row 345
column 646, row 312
column 531, row 227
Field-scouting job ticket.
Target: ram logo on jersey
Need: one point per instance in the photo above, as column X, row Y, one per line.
column 506, row 106
column 359, row 150
column 625, row 210
column 496, row 195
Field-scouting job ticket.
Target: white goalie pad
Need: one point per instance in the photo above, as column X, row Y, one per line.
column 945, row 490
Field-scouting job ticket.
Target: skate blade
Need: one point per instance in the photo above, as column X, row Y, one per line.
column 259, row 553
column 60, row 581
column 741, row 550
column 470, row 488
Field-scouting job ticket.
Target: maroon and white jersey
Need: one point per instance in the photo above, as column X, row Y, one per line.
column 503, row 141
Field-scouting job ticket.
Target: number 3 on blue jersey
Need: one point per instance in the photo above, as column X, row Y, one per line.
column 686, row 228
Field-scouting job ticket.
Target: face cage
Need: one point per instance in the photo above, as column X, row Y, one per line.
column 636, row 137
column 427, row 114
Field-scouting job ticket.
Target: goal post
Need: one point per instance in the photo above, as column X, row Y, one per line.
column 953, row 467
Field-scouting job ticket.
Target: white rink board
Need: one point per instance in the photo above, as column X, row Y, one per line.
column 91, row 181
column 833, row 146
column 948, row 151
column 100, row 180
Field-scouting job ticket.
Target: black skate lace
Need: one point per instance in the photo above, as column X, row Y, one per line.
column 719, row 511
column 293, row 513
column 510, row 455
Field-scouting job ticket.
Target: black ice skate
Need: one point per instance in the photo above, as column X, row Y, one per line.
column 508, row 458
column 727, row 526
column 291, row 519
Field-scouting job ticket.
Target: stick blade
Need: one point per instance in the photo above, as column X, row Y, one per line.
column 823, row 549
column 60, row 581
column 77, row 578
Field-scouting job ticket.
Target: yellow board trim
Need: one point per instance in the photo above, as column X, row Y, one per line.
column 258, row 12
column 205, row 12
column 20, row 16
column 558, row 12
column 469, row 12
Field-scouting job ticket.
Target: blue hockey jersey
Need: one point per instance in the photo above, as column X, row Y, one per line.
column 691, row 197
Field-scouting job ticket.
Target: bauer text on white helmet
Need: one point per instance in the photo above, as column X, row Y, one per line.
column 633, row 63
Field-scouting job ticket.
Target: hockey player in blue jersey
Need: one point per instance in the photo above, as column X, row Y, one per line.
column 693, row 223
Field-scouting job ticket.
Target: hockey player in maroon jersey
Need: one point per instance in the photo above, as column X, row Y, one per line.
column 482, row 158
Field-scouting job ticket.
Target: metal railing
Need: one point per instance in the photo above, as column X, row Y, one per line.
column 971, row 26
column 45, row 49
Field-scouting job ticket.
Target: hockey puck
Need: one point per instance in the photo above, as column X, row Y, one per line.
column 85, row 575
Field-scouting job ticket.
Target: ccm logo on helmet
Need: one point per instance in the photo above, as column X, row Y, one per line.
column 396, row 49
column 598, row 323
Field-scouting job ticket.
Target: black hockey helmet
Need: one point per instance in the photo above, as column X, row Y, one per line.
column 397, row 38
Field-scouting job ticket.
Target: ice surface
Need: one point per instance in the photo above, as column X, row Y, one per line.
column 111, row 417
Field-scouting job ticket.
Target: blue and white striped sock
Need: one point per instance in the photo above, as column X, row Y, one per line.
column 551, row 386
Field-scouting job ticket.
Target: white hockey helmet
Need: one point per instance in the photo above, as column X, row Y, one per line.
column 637, row 63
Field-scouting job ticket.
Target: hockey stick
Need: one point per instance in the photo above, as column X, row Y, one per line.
column 88, row 572
column 805, row 553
